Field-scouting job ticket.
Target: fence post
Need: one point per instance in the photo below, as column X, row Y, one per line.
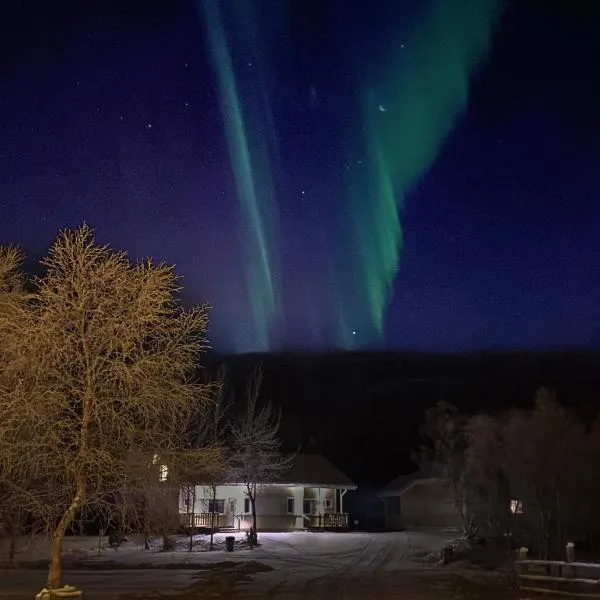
column 523, row 551
column 570, row 552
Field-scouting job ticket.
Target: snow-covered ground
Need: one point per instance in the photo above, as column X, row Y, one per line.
column 312, row 564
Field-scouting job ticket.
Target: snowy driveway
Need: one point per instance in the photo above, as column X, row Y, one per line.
column 352, row 566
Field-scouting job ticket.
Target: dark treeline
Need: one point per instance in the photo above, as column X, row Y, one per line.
column 528, row 475
column 335, row 403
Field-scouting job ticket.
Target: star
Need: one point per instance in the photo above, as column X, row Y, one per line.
column 149, row 126
column 187, row 104
column 303, row 192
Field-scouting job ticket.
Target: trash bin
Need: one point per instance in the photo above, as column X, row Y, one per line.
column 447, row 554
column 68, row 591
column 229, row 543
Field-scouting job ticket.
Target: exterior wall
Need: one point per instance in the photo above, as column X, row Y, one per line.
column 319, row 498
column 423, row 505
column 393, row 514
column 271, row 505
column 232, row 496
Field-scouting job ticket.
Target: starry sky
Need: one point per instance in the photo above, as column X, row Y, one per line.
column 327, row 175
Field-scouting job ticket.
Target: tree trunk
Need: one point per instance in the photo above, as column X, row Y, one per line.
column 55, row 569
column 146, row 525
column 12, row 550
column 253, row 533
column 212, row 518
column 191, row 519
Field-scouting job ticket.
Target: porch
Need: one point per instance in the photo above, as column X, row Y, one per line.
column 202, row 520
column 327, row 521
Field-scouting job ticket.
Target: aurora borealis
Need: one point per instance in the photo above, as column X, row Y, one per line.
column 326, row 175
column 247, row 139
column 424, row 87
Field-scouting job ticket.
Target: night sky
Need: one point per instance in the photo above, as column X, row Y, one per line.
column 325, row 174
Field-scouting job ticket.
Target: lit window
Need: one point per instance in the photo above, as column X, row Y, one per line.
column 290, row 506
column 516, row 508
column 163, row 472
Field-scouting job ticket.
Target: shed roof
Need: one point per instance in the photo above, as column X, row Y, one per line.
column 400, row 484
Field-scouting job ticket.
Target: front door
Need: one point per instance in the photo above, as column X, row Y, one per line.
column 309, row 507
column 230, row 512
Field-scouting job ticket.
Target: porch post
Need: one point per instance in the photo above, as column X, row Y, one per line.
column 342, row 494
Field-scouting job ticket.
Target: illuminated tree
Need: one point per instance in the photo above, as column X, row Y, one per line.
column 257, row 459
column 207, row 433
column 96, row 380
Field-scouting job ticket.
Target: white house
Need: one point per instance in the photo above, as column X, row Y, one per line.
column 310, row 494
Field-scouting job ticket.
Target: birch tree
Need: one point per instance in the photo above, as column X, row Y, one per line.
column 444, row 429
column 208, row 432
column 95, row 379
column 257, row 456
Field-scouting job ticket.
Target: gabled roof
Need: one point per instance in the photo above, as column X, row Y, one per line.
column 309, row 470
column 314, row 470
column 401, row 484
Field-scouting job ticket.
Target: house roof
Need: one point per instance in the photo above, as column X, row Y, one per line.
column 314, row 470
column 402, row 483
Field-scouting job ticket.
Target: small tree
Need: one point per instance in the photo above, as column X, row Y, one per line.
column 544, row 448
column 257, row 458
column 444, row 429
column 208, row 431
column 99, row 364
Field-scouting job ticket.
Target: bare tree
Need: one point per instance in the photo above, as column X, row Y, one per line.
column 99, row 363
column 208, row 431
column 444, row 429
column 257, row 457
column 544, row 449
column 15, row 317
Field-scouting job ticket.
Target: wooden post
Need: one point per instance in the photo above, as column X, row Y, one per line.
column 570, row 552
column 523, row 551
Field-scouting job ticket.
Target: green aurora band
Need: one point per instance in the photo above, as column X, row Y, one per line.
column 408, row 112
column 249, row 156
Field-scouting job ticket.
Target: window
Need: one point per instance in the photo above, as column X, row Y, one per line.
column 290, row 506
column 308, row 507
column 216, row 506
column 328, row 503
column 516, row 508
column 163, row 472
column 246, row 505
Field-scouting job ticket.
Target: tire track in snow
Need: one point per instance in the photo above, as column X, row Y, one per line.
column 337, row 577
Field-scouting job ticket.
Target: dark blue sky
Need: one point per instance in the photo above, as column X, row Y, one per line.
column 109, row 113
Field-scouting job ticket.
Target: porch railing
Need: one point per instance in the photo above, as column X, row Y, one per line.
column 198, row 520
column 328, row 520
